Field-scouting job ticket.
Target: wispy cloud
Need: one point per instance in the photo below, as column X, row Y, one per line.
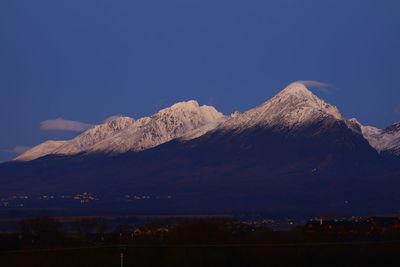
column 322, row 86
column 64, row 125
column 17, row 149
column 396, row 111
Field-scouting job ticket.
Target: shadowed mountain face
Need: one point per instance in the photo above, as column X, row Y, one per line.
column 294, row 153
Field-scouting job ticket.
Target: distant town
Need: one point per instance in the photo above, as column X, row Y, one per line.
column 16, row 201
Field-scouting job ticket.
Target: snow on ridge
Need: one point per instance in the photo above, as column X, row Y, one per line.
column 295, row 106
column 299, row 90
column 80, row 143
column 292, row 108
column 121, row 134
column 387, row 139
column 40, row 150
column 367, row 131
column 94, row 135
column 392, row 129
column 184, row 105
column 166, row 125
column 208, row 112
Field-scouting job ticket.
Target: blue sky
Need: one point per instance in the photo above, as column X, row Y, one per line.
column 88, row 60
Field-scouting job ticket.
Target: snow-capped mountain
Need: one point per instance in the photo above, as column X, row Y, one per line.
column 80, row 143
column 176, row 121
column 295, row 150
column 122, row 134
column 384, row 141
column 293, row 108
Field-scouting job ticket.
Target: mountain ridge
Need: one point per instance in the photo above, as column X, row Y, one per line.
column 294, row 151
column 385, row 141
column 293, row 107
column 114, row 136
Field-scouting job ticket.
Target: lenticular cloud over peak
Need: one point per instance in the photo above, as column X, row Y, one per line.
column 322, row 86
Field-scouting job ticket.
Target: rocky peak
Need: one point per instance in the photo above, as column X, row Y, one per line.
column 295, row 106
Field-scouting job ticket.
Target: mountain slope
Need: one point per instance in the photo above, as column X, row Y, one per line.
column 41, row 150
column 294, row 122
column 80, row 143
column 293, row 153
column 294, row 107
column 386, row 141
column 168, row 124
column 122, row 134
column 390, row 139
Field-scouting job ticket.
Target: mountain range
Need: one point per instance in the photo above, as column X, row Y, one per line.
column 121, row 134
column 293, row 153
column 295, row 106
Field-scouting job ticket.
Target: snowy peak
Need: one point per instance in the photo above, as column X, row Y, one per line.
column 299, row 94
column 386, row 140
column 186, row 105
column 121, row 134
column 291, row 110
column 191, row 108
column 367, row 131
column 296, row 89
column 293, row 107
column 108, row 128
column 94, row 135
column 168, row 124
column 80, row 143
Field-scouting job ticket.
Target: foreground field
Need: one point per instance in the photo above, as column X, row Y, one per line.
column 200, row 242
